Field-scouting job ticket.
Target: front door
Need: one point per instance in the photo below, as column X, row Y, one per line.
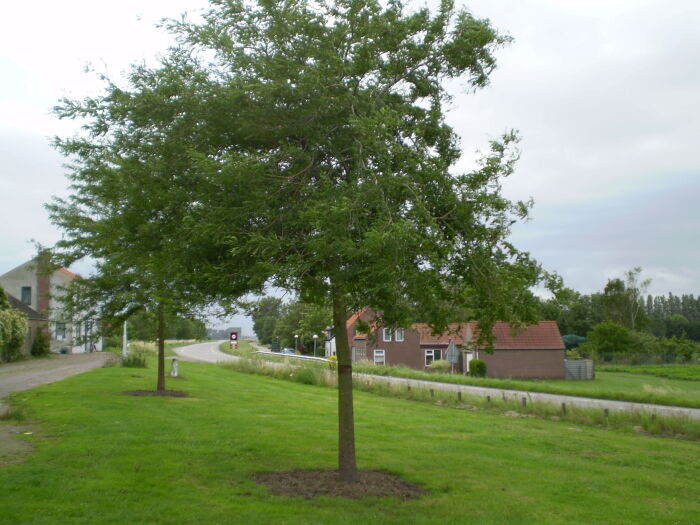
column 468, row 356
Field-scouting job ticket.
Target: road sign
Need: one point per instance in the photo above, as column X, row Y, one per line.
column 452, row 353
column 234, row 336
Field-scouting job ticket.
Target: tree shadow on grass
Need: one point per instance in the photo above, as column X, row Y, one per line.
column 162, row 393
column 313, row 483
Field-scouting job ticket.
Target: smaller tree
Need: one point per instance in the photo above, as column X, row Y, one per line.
column 623, row 301
column 265, row 313
column 610, row 337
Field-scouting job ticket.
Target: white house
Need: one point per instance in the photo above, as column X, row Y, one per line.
column 329, row 342
column 41, row 291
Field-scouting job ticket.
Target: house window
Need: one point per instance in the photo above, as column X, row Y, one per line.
column 77, row 330
column 386, row 335
column 26, row 294
column 379, row 357
column 60, row 331
column 432, row 355
column 398, row 335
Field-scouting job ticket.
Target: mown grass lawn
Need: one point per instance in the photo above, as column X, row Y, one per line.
column 630, row 387
column 687, row 372
column 618, row 385
column 103, row 457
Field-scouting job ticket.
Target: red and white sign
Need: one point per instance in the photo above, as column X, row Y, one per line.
column 234, row 336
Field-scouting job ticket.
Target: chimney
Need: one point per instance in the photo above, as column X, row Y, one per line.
column 43, row 278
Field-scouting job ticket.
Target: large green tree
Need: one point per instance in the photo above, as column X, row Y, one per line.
column 334, row 130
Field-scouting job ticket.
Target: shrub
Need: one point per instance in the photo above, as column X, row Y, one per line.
column 440, row 365
column 477, row 368
column 40, row 345
column 135, row 360
column 609, row 337
column 306, row 376
column 333, row 362
column 573, row 354
column 112, row 341
column 13, row 331
column 684, row 349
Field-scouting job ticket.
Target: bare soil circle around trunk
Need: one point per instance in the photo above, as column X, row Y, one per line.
column 313, row 483
column 163, row 393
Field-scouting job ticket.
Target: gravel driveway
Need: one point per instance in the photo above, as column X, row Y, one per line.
column 34, row 372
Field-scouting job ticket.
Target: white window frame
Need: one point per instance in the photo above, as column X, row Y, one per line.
column 379, row 353
column 386, row 335
column 60, row 330
column 433, row 352
column 399, row 335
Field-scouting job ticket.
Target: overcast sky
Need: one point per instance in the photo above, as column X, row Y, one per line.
column 605, row 94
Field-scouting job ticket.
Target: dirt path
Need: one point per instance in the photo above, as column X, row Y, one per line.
column 28, row 374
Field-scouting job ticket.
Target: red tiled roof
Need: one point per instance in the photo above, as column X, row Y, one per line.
column 68, row 273
column 454, row 332
column 353, row 319
column 543, row 335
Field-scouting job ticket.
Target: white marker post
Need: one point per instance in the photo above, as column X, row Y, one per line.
column 125, row 343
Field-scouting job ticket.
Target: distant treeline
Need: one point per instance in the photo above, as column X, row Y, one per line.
column 662, row 315
column 623, row 324
column 142, row 326
column 672, row 315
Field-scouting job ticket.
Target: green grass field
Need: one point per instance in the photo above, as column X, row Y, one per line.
column 688, row 372
column 103, row 457
column 618, row 385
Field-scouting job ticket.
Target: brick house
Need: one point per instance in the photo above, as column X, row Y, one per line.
column 40, row 291
column 536, row 351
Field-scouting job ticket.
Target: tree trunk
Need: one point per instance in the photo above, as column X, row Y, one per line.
column 347, row 468
column 161, row 349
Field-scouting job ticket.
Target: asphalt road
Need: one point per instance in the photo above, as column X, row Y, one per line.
column 209, row 353
column 204, row 353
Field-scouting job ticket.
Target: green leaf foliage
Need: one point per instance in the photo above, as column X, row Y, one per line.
column 337, row 169
column 40, row 345
column 13, row 329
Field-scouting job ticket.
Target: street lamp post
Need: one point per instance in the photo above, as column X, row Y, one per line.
column 315, row 339
column 296, row 342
